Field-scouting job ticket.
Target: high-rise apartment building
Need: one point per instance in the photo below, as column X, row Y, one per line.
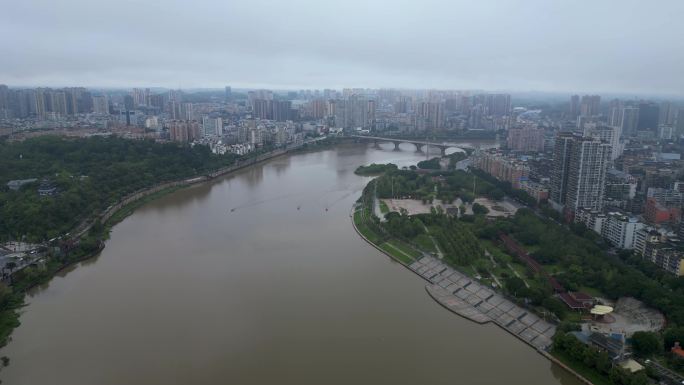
column 607, row 134
column 679, row 127
column 629, row 120
column 318, row 108
column 58, row 102
column 262, row 109
column 183, row 131
column 100, row 105
column 355, row 112
column 499, row 104
column 38, row 106
column 559, row 172
column 579, row 172
column 590, row 105
column 4, row 97
column 574, row 106
column 282, row 110
column 649, row 114
column 589, row 159
column 212, row 126
column 615, row 113
column 668, row 113
column 527, row 138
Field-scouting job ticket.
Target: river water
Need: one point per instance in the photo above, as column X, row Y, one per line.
column 229, row 283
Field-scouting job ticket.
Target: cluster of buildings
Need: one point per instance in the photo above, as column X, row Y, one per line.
column 502, row 167
column 511, row 169
column 226, row 124
column 146, row 112
column 614, row 167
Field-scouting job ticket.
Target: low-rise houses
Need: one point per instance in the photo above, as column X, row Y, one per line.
column 666, row 255
column 240, row 149
column 662, row 248
column 663, row 206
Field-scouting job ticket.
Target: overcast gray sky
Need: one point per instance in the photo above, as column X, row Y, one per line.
column 541, row 45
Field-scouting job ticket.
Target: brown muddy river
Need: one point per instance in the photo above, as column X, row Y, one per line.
column 188, row 292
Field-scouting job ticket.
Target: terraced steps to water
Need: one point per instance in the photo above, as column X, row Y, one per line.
column 479, row 303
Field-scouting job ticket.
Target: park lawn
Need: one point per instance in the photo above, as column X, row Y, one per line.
column 572, row 316
column 397, row 254
column 405, row 248
column 383, row 207
column 425, row 243
column 498, row 254
column 590, row 374
column 501, row 271
column 467, row 270
column 368, row 233
column 358, row 217
column 363, row 229
column 521, row 269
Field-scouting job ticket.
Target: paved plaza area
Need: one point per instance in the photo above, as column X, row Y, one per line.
column 630, row 316
column 479, row 303
column 503, row 208
column 415, row 206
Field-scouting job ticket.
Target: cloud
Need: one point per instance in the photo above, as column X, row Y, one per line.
column 611, row 45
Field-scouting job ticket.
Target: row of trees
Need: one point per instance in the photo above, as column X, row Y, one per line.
column 444, row 185
column 403, row 226
column 459, row 244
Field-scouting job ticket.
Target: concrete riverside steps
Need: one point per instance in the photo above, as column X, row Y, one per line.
column 479, row 303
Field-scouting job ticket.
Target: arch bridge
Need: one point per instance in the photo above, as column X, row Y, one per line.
column 443, row 146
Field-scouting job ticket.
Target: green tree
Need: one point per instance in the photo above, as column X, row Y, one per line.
column 432, row 164
column 479, row 209
column 555, row 306
column 645, row 344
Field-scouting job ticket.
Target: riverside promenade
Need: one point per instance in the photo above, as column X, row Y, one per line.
column 478, row 303
column 474, row 301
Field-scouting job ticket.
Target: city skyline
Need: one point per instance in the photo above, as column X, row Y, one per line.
column 436, row 45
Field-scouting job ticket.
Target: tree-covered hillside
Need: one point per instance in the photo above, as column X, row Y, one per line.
column 90, row 174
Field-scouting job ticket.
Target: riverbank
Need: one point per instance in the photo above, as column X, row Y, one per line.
column 47, row 267
column 290, row 269
column 104, row 217
column 456, row 292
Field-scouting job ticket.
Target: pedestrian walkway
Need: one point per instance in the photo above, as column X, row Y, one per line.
column 479, row 303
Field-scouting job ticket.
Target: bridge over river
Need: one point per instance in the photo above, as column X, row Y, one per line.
column 443, row 146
